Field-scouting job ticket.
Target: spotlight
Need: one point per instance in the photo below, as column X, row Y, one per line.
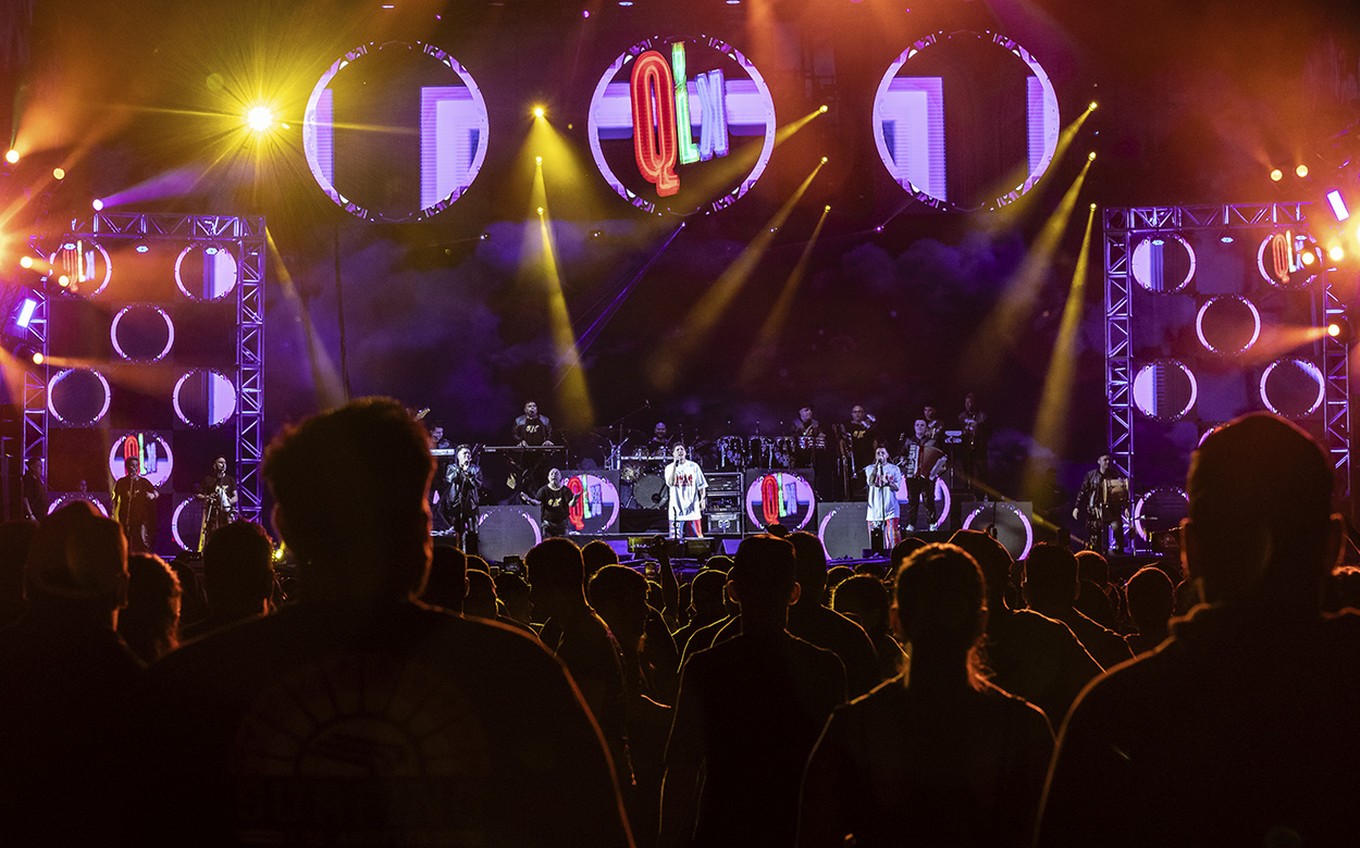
column 540, row 211
column 1335, row 253
column 1309, row 258
column 12, row 156
column 1339, row 328
column 1093, row 207
column 63, row 281
column 1091, row 157
column 142, row 248
column 1092, row 106
column 97, row 205
column 58, row 173
column 1226, row 238
column 259, row 119
column 1301, row 171
column 585, row 13
column 824, row 160
column 1338, row 204
column 826, row 208
column 878, row 229
column 26, row 262
column 539, row 111
column 538, row 160
column 38, row 358
column 596, row 233
column 1276, row 175
column 824, row 109
column 26, row 310
column 484, row 236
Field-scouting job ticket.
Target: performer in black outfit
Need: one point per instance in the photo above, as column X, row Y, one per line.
column 1104, row 495
column 33, row 489
column 660, row 442
column 461, row 496
column 556, row 501
column 934, row 426
column 132, row 506
column 862, row 439
column 217, row 492
column 807, row 432
column 532, row 429
column 976, row 432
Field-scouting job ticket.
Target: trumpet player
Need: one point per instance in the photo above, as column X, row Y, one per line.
column 217, row 492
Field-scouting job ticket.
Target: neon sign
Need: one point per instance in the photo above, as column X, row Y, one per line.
column 647, row 108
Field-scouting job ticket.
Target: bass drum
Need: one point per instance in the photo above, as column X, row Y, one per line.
column 650, row 492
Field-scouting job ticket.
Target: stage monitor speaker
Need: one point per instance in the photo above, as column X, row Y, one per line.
column 842, row 528
column 1009, row 522
column 504, row 531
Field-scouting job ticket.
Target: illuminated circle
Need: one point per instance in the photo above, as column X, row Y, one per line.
column 88, row 497
column 1280, row 260
column 142, row 332
column 448, row 141
column 153, row 449
column 186, row 524
column 1006, row 522
column 1163, row 264
column 1292, row 387
column 508, row 531
column 204, row 398
column 597, row 510
column 1159, row 511
column 1165, row 390
column 780, row 497
column 663, row 170
column 78, row 397
column 86, row 263
column 1228, row 325
column 992, row 82
column 944, row 499
column 206, row 272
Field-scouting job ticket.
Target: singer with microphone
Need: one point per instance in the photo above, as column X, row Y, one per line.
column 883, row 479
column 688, row 491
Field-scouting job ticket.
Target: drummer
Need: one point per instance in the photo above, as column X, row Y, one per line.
column 660, row 443
column 807, row 432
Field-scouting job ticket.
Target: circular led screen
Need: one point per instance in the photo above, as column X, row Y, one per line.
column 1164, row 390
column 1005, row 522
column 597, row 508
column 1159, row 511
column 153, row 450
column 86, row 265
column 780, row 497
column 1163, row 264
column 96, row 501
column 1292, row 388
column 681, row 125
column 78, row 397
column 142, row 332
column 395, row 131
column 206, row 272
column 966, row 120
column 186, row 523
column 204, row 398
column 1227, row 325
column 1283, row 261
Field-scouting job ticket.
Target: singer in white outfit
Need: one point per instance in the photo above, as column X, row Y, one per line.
column 687, row 494
column 883, row 479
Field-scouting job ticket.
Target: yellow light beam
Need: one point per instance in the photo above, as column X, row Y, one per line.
column 1014, row 180
column 762, row 355
column 573, row 396
column 699, row 323
column 1055, row 403
column 1009, row 319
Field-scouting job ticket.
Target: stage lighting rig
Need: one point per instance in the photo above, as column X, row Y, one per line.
column 259, row 119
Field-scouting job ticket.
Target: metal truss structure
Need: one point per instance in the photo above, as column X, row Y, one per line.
column 1123, row 229
column 245, row 237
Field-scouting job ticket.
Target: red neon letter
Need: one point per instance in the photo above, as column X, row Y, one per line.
column 654, row 142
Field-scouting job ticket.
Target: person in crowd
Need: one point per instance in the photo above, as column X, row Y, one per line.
column 1152, row 599
column 596, row 555
column 480, row 601
column 446, row 585
column 811, row 620
column 67, row 689
column 238, row 576
column 513, row 591
column 1243, row 728
column 938, row 756
column 748, row 714
column 16, row 537
column 356, row 714
column 149, row 624
column 1027, row 654
column 1098, row 598
column 1050, row 588
column 707, row 594
column 864, row 601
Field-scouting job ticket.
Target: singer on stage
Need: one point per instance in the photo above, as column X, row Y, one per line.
column 688, row 488
column 883, row 480
column 461, row 496
column 132, row 506
column 555, row 501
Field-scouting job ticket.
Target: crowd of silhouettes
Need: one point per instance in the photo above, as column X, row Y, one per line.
column 404, row 693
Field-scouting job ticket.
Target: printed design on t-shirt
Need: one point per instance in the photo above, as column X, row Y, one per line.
column 367, row 743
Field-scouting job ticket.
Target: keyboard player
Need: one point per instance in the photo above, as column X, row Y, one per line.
column 532, row 429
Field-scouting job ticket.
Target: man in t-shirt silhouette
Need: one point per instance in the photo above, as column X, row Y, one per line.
column 356, row 714
column 555, row 501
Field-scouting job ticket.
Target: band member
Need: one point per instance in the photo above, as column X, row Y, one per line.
column 532, row 429
column 217, row 492
column 688, row 491
column 976, row 431
column 883, row 479
column 807, row 431
column 33, row 489
column 660, row 443
column 132, row 505
column 860, row 439
column 556, row 501
column 924, row 464
column 462, row 493
column 934, row 426
column 1104, row 494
